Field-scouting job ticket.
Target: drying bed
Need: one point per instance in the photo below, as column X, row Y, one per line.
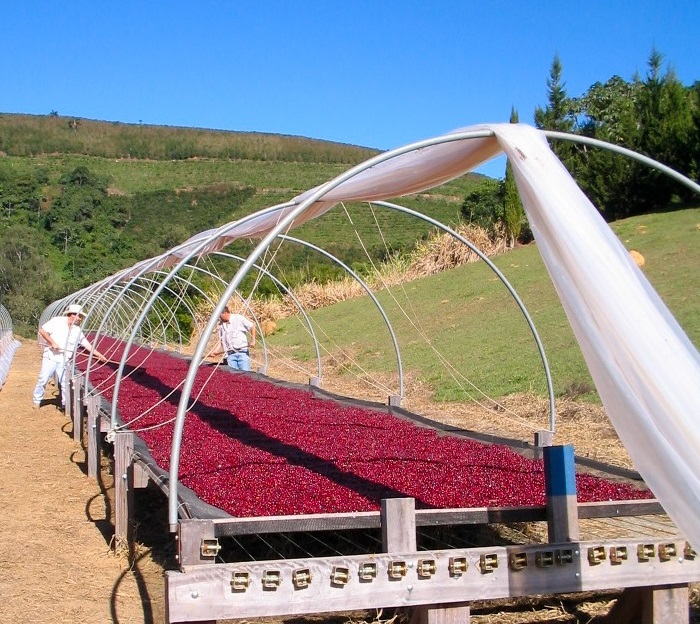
column 252, row 447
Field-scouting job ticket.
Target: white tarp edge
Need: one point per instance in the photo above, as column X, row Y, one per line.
column 645, row 368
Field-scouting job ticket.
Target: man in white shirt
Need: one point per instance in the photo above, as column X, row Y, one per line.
column 233, row 336
column 60, row 336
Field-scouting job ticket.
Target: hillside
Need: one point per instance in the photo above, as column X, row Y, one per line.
column 32, row 135
column 466, row 317
column 82, row 199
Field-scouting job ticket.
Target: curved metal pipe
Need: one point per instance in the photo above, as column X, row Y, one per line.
column 506, row 283
column 368, row 290
column 283, row 224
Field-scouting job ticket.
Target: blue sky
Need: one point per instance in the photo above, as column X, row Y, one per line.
column 377, row 73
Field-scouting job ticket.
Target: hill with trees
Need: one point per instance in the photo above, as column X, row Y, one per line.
column 81, row 199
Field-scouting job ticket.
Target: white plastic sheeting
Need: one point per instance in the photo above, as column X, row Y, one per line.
column 8, row 345
column 646, row 370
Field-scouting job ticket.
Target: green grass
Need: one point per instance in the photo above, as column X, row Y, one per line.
column 471, row 320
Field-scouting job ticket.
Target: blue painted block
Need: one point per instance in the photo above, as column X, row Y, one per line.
column 559, row 470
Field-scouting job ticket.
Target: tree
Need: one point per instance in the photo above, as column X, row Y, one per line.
column 656, row 116
column 28, row 281
column 667, row 128
column 484, row 205
column 556, row 115
column 514, row 217
column 559, row 114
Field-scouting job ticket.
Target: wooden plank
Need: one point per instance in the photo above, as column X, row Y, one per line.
column 94, row 439
column 666, row 605
column 620, row 509
column 398, row 516
column 123, row 489
column 206, row 592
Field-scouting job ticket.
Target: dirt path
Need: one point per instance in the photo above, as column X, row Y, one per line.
column 56, row 564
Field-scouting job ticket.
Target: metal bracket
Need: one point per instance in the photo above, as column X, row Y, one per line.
column 210, row 547
column 457, row 566
column 488, row 562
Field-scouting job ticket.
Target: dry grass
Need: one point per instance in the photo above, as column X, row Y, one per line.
column 438, row 253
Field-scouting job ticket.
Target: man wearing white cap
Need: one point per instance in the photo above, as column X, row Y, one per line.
column 60, row 337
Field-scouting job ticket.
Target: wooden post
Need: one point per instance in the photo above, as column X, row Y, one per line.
column 394, row 400
column 197, row 543
column 398, row 518
column 651, row 605
column 560, row 487
column 76, row 406
column 94, row 438
column 543, row 438
column 123, row 489
column 666, row 605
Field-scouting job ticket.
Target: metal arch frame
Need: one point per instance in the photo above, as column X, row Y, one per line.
column 196, row 248
column 109, row 297
column 5, row 319
column 506, row 283
column 149, row 304
column 136, row 328
column 154, row 299
column 314, row 196
column 96, row 303
column 368, row 290
column 282, row 224
column 624, row 151
column 118, row 302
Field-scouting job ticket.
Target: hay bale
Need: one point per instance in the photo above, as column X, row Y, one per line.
column 268, row 327
column 637, row 257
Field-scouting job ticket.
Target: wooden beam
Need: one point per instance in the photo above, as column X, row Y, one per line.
column 427, row 578
column 123, row 489
column 94, row 438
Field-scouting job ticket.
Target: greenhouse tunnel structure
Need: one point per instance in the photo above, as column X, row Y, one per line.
column 645, row 368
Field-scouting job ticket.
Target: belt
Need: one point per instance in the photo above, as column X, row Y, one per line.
column 243, row 350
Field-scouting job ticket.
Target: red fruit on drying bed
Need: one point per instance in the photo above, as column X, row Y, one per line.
column 254, row 448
